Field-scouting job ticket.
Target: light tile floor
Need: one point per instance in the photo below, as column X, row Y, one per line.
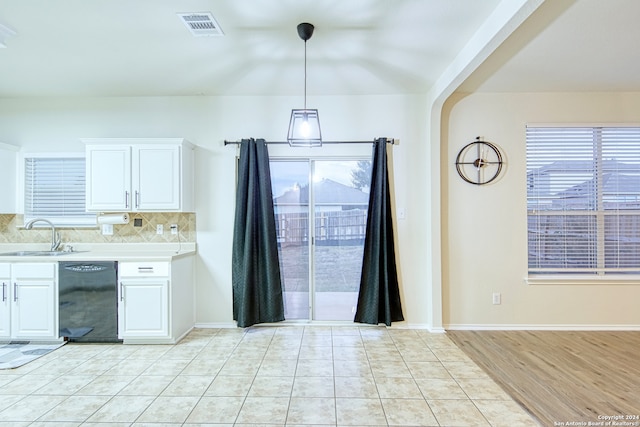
column 267, row 376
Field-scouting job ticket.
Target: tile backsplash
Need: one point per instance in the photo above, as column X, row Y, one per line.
column 12, row 230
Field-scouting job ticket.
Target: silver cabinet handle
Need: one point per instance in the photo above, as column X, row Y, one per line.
column 126, row 199
column 15, row 291
column 121, row 292
column 137, row 199
column 145, row 269
column 4, row 291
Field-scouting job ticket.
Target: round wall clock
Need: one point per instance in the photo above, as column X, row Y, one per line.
column 479, row 162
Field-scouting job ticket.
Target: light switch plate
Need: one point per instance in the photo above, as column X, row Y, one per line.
column 497, row 298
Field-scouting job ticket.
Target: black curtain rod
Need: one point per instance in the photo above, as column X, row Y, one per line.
column 390, row 141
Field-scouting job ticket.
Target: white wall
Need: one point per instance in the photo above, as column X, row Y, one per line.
column 7, row 172
column 484, row 227
column 45, row 124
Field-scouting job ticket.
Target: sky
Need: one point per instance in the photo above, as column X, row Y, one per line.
column 285, row 173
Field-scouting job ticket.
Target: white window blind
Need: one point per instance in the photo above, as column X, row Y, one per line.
column 54, row 189
column 583, row 200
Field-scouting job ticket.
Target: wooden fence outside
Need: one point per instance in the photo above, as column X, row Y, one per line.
column 331, row 228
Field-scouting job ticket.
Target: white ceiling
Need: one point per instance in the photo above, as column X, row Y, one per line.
column 568, row 46
column 141, row 48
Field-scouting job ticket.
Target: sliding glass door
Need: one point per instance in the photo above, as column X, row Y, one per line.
column 290, row 184
column 321, row 215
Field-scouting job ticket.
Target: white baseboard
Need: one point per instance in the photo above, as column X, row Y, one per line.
column 477, row 327
column 216, row 325
column 421, row 326
column 227, row 325
column 568, row 327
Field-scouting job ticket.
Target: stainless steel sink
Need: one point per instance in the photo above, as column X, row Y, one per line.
column 35, row 253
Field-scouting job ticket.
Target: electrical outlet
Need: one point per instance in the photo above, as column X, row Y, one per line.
column 174, row 228
column 497, row 298
column 159, row 229
column 107, row 229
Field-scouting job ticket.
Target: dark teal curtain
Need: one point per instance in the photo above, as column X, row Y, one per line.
column 379, row 297
column 257, row 288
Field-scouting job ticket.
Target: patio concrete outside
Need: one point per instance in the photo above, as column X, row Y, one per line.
column 337, row 280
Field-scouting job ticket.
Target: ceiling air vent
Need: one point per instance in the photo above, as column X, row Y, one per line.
column 201, row 24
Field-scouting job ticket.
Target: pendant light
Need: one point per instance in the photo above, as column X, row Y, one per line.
column 304, row 126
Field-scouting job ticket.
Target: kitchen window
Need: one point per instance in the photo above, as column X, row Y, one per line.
column 54, row 189
column 583, row 202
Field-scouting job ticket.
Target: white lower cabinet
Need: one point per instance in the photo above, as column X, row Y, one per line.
column 156, row 303
column 144, row 300
column 29, row 301
column 5, row 304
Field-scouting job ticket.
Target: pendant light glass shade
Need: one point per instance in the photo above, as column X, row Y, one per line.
column 304, row 126
column 304, row 129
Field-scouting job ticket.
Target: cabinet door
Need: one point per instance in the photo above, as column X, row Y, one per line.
column 156, row 177
column 108, row 178
column 5, row 302
column 143, row 309
column 32, row 314
column 34, row 301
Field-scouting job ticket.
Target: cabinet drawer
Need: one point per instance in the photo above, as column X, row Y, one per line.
column 5, row 271
column 143, row 269
column 34, row 271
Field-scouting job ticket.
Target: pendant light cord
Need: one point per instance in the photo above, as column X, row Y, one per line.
column 305, row 74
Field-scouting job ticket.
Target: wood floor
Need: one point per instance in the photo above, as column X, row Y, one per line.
column 562, row 377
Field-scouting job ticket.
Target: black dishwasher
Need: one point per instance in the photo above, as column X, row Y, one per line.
column 88, row 300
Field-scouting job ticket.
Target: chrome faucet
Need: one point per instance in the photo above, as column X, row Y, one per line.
column 55, row 236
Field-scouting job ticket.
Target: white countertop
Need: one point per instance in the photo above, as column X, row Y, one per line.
column 101, row 252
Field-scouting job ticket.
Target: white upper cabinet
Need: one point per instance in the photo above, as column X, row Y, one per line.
column 156, row 177
column 146, row 175
column 108, row 177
